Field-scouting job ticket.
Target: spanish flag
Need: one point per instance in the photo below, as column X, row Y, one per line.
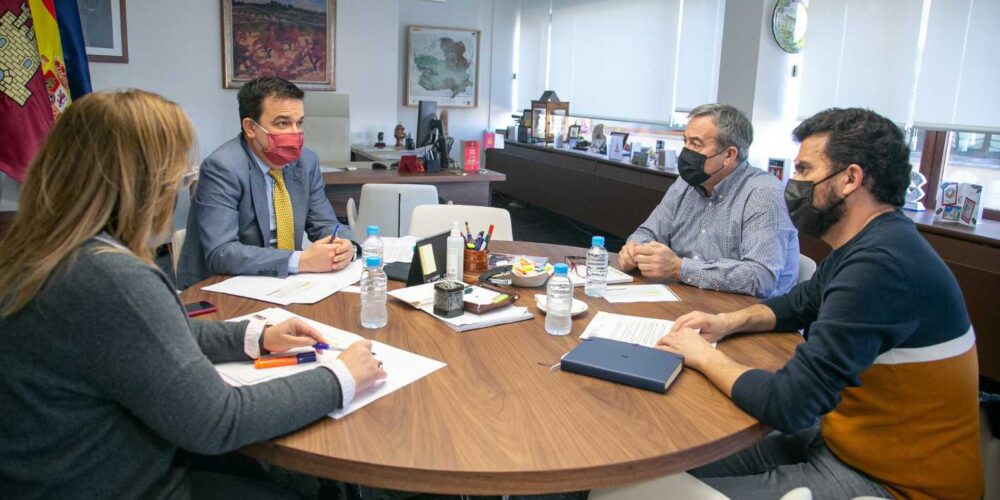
column 34, row 85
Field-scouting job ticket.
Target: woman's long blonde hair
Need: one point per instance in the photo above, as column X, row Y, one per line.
column 113, row 162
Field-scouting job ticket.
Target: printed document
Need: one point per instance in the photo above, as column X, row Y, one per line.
column 631, row 329
column 304, row 288
column 402, row 367
column 639, row 293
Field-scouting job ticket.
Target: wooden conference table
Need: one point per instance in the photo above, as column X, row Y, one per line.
column 495, row 421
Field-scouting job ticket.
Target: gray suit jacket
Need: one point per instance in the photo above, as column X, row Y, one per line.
column 229, row 223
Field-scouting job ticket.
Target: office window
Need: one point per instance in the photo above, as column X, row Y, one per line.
column 975, row 157
column 628, row 60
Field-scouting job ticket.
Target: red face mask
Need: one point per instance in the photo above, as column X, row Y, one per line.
column 282, row 149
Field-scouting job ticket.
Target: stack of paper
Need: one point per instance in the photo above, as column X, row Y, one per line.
column 306, row 288
column 422, row 297
column 398, row 249
column 402, row 367
column 579, row 276
column 631, row 329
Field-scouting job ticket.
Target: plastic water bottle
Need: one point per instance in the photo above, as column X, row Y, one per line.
column 597, row 268
column 372, row 245
column 373, row 294
column 559, row 302
column 455, row 255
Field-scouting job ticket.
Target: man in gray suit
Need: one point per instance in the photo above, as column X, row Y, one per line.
column 256, row 195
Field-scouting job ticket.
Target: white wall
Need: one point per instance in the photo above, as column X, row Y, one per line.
column 175, row 50
column 463, row 123
column 755, row 76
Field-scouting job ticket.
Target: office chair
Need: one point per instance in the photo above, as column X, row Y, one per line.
column 431, row 219
column 388, row 206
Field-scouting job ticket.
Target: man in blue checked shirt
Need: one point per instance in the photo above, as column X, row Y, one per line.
column 723, row 225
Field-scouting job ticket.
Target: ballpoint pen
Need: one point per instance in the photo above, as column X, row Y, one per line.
column 335, row 231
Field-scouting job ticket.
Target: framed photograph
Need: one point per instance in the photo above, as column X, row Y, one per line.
column 969, row 211
column 292, row 39
column 442, row 64
column 574, row 132
column 103, row 23
column 616, row 146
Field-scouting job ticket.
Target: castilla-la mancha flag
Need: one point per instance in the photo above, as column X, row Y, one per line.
column 34, row 86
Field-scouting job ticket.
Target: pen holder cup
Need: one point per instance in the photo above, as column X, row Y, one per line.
column 449, row 299
column 476, row 262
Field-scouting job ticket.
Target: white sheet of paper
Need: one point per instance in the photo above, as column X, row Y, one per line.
column 325, row 169
column 402, row 367
column 579, row 276
column 398, row 249
column 639, row 293
column 631, row 329
column 305, row 288
column 422, row 297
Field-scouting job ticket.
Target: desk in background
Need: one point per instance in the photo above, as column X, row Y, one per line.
column 385, row 155
column 494, row 421
column 461, row 188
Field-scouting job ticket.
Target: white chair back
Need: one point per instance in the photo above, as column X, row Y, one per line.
column 427, row 220
column 388, row 206
column 327, row 126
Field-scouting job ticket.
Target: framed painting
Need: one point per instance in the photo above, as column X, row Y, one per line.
column 442, row 64
column 104, row 30
column 291, row 39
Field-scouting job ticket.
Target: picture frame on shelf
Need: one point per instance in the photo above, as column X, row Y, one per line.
column 286, row 38
column 105, row 32
column 442, row 64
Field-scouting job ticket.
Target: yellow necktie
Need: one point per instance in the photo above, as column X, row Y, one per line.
column 283, row 218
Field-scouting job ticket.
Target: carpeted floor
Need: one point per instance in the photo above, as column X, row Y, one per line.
column 542, row 226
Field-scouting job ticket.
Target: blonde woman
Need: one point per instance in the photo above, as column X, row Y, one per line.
column 102, row 376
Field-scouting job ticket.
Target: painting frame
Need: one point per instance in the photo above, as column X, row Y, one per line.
column 412, row 98
column 117, row 31
column 231, row 78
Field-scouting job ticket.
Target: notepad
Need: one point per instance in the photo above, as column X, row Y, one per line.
column 402, row 367
column 422, row 297
column 579, row 276
column 306, row 288
column 624, row 363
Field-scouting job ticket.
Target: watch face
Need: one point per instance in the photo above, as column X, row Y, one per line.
column 789, row 25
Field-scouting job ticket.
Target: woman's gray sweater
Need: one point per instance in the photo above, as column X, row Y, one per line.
column 103, row 377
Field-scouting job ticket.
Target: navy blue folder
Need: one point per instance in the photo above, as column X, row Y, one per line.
column 624, row 363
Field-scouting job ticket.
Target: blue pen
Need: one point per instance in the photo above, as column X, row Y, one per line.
column 321, row 346
column 479, row 241
column 335, row 231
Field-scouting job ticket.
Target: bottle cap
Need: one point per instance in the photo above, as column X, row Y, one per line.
column 597, row 241
column 561, row 269
column 372, row 230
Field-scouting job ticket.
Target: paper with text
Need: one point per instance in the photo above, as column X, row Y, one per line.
column 402, row 367
column 639, row 293
column 304, row 288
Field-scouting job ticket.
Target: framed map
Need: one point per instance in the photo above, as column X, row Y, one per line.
column 292, row 39
column 442, row 64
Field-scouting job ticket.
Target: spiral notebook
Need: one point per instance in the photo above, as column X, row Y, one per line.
column 422, row 297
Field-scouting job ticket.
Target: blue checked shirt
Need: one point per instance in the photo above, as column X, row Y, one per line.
column 738, row 239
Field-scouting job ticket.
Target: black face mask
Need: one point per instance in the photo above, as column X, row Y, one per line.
column 691, row 165
column 807, row 218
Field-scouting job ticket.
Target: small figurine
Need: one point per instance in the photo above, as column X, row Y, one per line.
column 381, row 140
column 399, row 133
